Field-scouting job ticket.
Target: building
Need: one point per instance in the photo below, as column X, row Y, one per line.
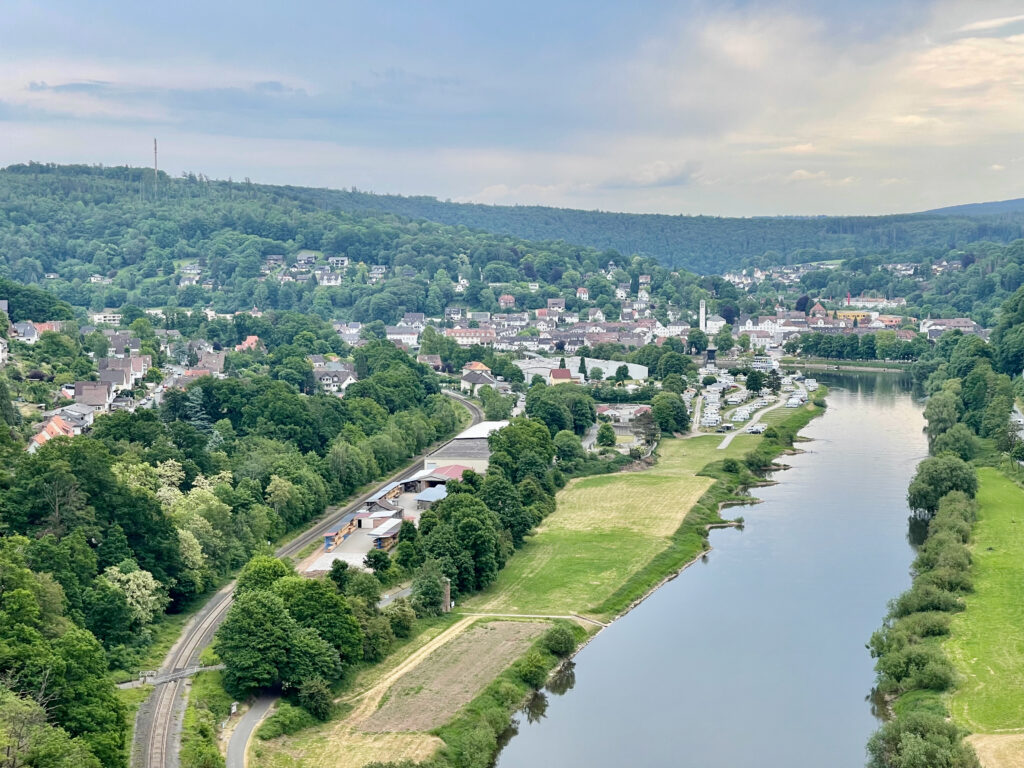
column 414, row 320
column 469, row 448
column 251, row 343
column 106, row 317
column 4, row 352
column 25, row 332
column 714, row 324
column 98, row 394
column 582, row 294
column 467, row 337
column 506, row 301
column 402, row 334
column 560, row 376
column 434, row 361
column 53, row 427
column 472, row 381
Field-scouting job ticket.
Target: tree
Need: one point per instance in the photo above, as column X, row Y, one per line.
column 621, row 373
column 260, row 573
column 339, row 574
column 942, row 411
column 428, row 590
column 560, row 640
column 567, row 446
column 724, row 340
column 316, row 604
column 697, row 340
column 315, row 697
column 937, row 476
column 378, row 561
column 26, row 738
column 669, row 412
column 606, row 435
column 920, row 740
column 756, row 381
column 959, row 440
column 255, row 642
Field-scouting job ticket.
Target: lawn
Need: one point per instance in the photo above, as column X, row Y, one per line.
column 987, row 642
column 605, row 530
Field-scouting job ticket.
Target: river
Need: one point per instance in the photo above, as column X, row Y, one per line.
column 755, row 657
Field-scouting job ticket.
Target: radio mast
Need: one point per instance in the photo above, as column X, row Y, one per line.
column 155, row 172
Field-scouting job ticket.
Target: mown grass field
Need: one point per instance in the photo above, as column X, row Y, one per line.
column 605, row 529
column 987, row 641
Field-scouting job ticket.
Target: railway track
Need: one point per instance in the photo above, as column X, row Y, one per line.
column 157, row 733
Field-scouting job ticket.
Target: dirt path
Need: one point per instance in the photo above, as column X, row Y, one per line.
column 568, row 616
column 370, row 700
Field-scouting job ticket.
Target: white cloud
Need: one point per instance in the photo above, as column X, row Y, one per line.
column 990, row 24
column 997, row 167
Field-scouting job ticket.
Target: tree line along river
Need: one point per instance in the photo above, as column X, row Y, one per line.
column 756, row 657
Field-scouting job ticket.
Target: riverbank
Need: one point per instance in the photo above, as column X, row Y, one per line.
column 856, row 366
column 611, row 541
column 986, row 641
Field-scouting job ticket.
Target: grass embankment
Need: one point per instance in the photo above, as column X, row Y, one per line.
column 987, row 639
column 849, row 365
column 611, row 540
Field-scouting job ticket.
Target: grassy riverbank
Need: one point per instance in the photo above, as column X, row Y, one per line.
column 611, row 540
column 987, row 639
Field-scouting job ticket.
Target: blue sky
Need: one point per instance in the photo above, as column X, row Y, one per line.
column 729, row 108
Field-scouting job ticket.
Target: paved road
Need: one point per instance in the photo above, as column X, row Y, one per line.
column 244, row 730
column 157, row 737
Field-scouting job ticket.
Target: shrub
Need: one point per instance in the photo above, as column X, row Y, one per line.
column 532, row 669
column 919, row 740
column 315, row 697
column 924, row 598
column 732, row 466
column 401, row 616
column 560, row 641
column 288, row 719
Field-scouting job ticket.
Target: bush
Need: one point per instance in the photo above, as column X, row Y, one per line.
column 560, row 640
column 919, row 740
column 532, row 669
column 924, row 598
column 315, row 697
column 732, row 466
column 288, row 719
column 401, row 616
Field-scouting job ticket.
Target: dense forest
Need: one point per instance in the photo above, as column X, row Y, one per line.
column 80, row 220
column 101, row 534
column 703, row 244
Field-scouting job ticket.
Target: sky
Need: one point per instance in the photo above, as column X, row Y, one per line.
column 724, row 107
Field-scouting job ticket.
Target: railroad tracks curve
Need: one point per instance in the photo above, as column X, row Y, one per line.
column 157, row 733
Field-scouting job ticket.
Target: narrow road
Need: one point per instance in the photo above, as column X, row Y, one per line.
column 244, row 730
column 157, row 736
column 756, row 419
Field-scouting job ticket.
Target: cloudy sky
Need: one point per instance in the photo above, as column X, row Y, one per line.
column 696, row 106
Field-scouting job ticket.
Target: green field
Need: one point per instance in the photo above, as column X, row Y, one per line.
column 606, row 530
column 987, row 642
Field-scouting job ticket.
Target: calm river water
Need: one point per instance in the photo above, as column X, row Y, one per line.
column 755, row 658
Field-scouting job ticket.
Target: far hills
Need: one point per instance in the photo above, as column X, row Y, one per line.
column 703, row 244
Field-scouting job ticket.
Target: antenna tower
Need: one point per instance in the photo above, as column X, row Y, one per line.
column 155, row 174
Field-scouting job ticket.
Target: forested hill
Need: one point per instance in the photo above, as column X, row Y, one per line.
column 982, row 209
column 702, row 244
